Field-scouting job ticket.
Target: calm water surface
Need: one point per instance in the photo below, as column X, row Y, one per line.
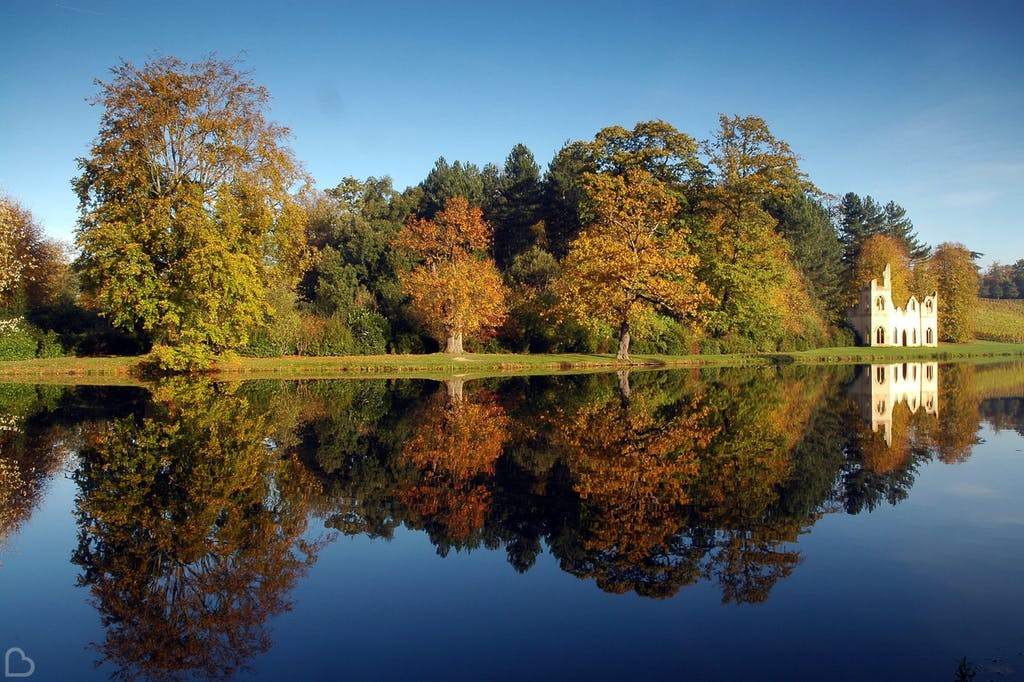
column 780, row 523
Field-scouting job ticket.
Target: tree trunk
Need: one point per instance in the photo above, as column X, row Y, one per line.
column 454, row 387
column 623, row 353
column 624, row 389
column 453, row 344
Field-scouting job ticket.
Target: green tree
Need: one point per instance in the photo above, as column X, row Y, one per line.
column 899, row 226
column 562, row 194
column 815, row 248
column 186, row 215
column 744, row 260
column 957, row 277
column 446, row 181
column 516, row 216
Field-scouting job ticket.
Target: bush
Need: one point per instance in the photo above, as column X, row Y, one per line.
column 20, row 340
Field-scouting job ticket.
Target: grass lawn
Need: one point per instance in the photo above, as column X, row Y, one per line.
column 128, row 370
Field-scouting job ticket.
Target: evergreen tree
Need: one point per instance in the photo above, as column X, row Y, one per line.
column 445, row 181
column 898, row 226
column 517, row 209
column 815, row 250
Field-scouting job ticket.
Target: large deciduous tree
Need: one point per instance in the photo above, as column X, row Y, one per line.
column 456, row 290
column 631, row 260
column 186, row 212
column 744, row 260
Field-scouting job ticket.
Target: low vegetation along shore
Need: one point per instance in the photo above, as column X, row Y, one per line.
column 133, row 369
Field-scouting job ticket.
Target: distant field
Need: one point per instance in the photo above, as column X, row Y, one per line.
column 1000, row 320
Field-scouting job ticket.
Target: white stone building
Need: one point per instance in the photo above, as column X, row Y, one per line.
column 879, row 322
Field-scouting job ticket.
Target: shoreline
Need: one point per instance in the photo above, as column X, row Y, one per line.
column 129, row 369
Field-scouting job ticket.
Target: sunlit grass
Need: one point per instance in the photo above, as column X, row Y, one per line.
column 439, row 365
column 1000, row 320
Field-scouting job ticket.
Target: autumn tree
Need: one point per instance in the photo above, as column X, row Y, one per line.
column 957, row 277
column 33, row 269
column 631, row 260
column 186, row 216
column 875, row 253
column 456, row 289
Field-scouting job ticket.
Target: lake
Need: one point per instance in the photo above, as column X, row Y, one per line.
column 792, row 523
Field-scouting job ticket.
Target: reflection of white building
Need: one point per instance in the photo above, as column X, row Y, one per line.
column 878, row 322
column 877, row 390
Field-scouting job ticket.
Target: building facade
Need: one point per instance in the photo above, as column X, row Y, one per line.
column 879, row 322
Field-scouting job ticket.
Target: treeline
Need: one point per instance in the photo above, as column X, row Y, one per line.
column 1003, row 281
column 199, row 234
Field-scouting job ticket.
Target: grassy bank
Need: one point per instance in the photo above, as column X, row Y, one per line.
column 128, row 370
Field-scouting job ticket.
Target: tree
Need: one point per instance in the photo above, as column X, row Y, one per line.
column 957, row 276
column 446, row 181
column 631, row 261
column 858, row 220
column 815, row 247
column 186, row 216
column 875, row 253
column 744, row 260
column 517, row 210
column 33, row 269
column 898, row 226
column 456, row 290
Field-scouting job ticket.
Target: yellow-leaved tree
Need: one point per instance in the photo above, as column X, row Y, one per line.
column 631, row 260
column 187, row 218
column 456, row 289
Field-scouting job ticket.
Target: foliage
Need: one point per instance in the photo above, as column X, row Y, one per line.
column 516, row 214
column 190, row 533
column 34, row 270
column 630, row 261
column 876, row 252
column 1003, row 281
column 815, row 250
column 186, row 212
column 744, row 260
column 21, row 340
column 957, row 277
column 455, row 291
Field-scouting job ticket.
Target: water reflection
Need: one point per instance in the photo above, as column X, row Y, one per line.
column 193, row 503
column 190, row 533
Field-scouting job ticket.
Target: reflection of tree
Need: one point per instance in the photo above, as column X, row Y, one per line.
column 190, row 533
column 633, row 462
column 956, row 433
column 453, row 447
column 682, row 481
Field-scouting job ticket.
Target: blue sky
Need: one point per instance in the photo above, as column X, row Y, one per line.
column 921, row 103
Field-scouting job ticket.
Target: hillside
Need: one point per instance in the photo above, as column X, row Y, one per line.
column 1000, row 319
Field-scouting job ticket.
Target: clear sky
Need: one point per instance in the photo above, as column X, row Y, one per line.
column 918, row 102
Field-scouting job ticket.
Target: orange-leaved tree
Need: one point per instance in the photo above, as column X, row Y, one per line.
column 456, row 289
column 631, row 260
